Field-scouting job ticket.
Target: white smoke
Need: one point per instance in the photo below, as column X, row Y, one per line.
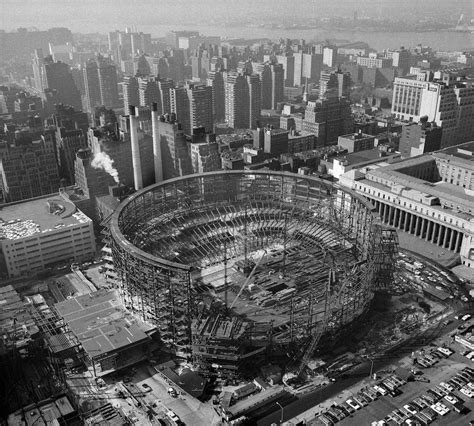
column 103, row 161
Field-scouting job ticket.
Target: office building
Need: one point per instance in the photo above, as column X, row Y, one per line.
column 131, row 94
column 100, row 84
column 192, row 105
column 327, row 119
column 444, row 98
column 330, row 56
column 128, row 44
column 420, row 138
column 174, row 148
column 374, row 61
column 356, row 142
column 28, row 166
column 215, row 80
column 68, row 142
column 427, row 197
column 300, row 141
column 275, row 141
column 288, row 63
column 242, row 100
column 334, row 84
column 401, row 58
column 57, row 77
column 205, row 156
column 272, row 83
column 36, row 234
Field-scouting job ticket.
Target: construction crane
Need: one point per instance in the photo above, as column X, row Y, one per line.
column 328, row 311
column 248, row 279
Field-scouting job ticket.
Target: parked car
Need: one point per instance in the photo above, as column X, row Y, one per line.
column 353, row 404
column 146, row 387
column 410, row 408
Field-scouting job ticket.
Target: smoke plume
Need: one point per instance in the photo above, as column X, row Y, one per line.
column 103, row 161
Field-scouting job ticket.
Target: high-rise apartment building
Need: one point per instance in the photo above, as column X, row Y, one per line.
column 192, row 105
column 242, row 100
column 215, row 80
column 446, row 99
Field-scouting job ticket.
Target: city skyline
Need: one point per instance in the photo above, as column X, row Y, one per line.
column 236, row 213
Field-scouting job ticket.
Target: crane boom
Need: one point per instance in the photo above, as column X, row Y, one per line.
column 248, row 279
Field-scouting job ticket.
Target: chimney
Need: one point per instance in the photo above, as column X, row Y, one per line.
column 156, row 144
column 137, row 167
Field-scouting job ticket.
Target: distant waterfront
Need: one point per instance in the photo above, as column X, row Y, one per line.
column 439, row 40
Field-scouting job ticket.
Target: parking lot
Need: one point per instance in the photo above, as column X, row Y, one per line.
column 426, row 384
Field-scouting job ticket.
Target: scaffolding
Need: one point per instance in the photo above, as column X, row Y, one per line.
column 296, row 230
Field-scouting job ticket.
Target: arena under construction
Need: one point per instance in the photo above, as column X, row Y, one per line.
column 235, row 264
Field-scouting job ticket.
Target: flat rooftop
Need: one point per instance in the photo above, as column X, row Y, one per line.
column 43, row 214
column 101, row 323
column 460, row 154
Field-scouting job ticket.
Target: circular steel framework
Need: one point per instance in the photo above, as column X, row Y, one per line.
column 313, row 248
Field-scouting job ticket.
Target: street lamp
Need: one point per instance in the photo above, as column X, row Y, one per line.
column 281, row 408
column 371, row 365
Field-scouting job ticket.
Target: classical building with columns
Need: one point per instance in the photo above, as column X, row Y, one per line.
column 430, row 196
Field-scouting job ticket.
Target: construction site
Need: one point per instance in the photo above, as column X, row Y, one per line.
column 234, row 267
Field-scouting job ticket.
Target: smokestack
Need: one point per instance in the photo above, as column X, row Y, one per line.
column 137, row 167
column 156, row 144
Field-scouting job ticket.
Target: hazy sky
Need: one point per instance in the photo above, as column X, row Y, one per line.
column 105, row 15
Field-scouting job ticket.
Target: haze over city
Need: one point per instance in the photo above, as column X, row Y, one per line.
column 236, row 212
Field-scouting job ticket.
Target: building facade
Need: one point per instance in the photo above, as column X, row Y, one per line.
column 429, row 197
column 38, row 233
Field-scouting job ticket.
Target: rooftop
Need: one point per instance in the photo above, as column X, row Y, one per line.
column 42, row 214
column 101, row 323
column 460, row 154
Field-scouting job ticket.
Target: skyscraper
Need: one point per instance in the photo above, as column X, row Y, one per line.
column 130, row 93
column 192, row 105
column 216, row 81
column 445, row 98
column 242, row 100
column 174, row 148
column 264, row 72
column 56, row 76
column 334, row 84
column 328, row 118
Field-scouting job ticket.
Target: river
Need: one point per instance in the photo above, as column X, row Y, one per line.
column 439, row 40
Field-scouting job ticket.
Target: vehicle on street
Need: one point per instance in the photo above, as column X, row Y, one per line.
column 466, row 317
